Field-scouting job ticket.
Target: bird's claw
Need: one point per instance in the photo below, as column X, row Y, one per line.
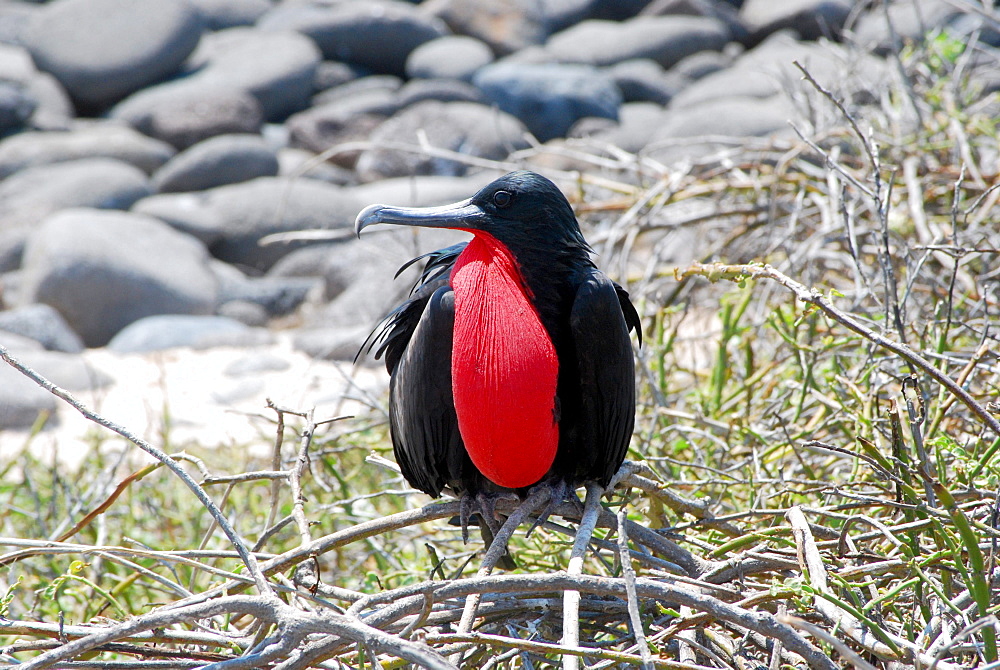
column 558, row 492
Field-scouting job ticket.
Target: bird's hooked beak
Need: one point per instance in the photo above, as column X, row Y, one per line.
column 463, row 215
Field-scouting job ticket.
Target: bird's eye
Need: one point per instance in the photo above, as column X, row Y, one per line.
column 502, row 199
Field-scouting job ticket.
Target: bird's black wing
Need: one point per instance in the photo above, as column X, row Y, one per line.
column 393, row 332
column 416, row 340
column 600, row 322
column 422, row 419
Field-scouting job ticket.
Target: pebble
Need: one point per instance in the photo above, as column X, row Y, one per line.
column 348, row 31
column 449, row 57
column 664, row 39
column 733, row 117
column 506, row 26
column 102, row 50
column 96, row 140
column 810, row 19
column 17, row 104
column 22, row 401
column 222, row 14
column 43, row 324
column 549, row 99
column 643, row 80
column 224, row 159
column 472, row 129
column 189, row 111
column 238, row 216
column 276, row 68
column 93, row 266
column 32, row 194
column 169, row 331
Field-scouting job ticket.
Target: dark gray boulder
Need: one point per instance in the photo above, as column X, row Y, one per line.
column 29, row 196
column 43, row 324
column 549, row 99
column 102, row 50
column 448, row 57
column 810, row 19
column 466, row 127
column 103, row 270
column 169, row 331
column 507, row 26
column 221, row 160
column 277, row 68
column 665, row 39
column 350, row 31
column 96, row 140
column 188, row 111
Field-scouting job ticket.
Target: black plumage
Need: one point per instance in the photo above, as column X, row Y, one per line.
column 586, row 316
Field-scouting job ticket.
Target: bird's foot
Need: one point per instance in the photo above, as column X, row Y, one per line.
column 558, row 492
column 483, row 504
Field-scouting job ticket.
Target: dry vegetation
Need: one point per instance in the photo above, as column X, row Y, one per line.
column 816, row 469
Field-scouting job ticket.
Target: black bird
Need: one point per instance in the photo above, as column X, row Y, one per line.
column 510, row 363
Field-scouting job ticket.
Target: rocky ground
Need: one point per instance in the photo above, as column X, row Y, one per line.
column 149, row 147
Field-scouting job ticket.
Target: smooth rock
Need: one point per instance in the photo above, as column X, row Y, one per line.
column 466, row 127
column 561, row 14
column 191, row 110
column 225, row 159
column 331, row 73
column 448, row 57
column 506, row 26
column 29, row 196
column 98, row 140
column 102, row 50
column 22, row 401
column 811, row 19
column 769, row 69
column 255, row 364
column 313, row 262
column 702, row 63
column 549, row 99
column 442, row 90
column 244, row 311
column 665, row 39
column 15, row 18
column 97, row 269
column 66, row 370
column 184, row 212
column 362, row 92
column 422, row 190
column 721, row 10
column 17, row 104
column 331, row 343
column 244, row 213
column 222, row 14
column 43, row 324
column 278, row 296
column 276, row 67
column 617, row 10
column 348, row 31
column 297, row 163
column 169, row 331
column 910, row 20
column 344, row 120
column 643, row 80
column 54, row 109
column 103, row 183
column 637, row 123
column 735, row 117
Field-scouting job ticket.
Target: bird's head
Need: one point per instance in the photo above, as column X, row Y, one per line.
column 523, row 210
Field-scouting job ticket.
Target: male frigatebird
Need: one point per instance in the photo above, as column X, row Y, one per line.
column 510, row 362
